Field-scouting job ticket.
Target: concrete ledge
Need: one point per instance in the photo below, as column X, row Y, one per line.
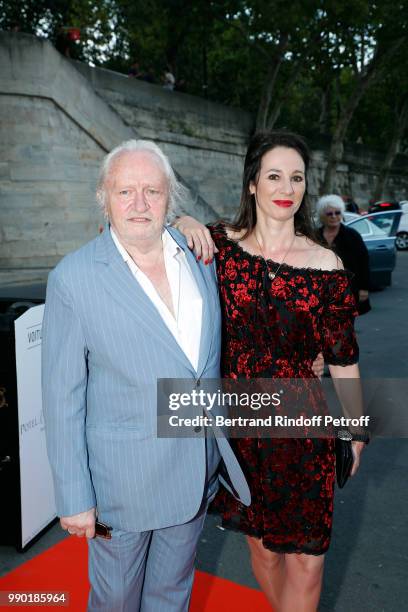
column 172, row 103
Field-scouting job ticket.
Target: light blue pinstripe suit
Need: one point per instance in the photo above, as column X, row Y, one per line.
column 104, row 346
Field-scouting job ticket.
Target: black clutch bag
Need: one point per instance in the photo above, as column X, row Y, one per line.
column 344, row 457
column 363, row 307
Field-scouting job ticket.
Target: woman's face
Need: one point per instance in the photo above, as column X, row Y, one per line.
column 281, row 184
column 331, row 217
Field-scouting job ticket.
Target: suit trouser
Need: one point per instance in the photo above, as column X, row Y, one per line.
column 151, row 571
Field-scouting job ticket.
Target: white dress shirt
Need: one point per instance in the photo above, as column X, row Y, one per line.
column 187, row 301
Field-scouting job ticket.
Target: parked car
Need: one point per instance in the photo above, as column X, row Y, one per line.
column 401, row 240
column 378, row 230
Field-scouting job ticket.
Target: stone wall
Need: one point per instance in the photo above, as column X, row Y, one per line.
column 59, row 118
column 358, row 173
column 205, row 141
column 47, row 183
column 54, row 131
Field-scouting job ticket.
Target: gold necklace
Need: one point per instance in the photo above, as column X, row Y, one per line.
column 272, row 275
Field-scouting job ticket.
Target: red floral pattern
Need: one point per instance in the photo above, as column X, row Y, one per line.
column 275, row 329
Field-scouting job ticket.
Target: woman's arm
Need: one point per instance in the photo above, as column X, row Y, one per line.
column 198, row 237
column 346, row 380
column 362, row 266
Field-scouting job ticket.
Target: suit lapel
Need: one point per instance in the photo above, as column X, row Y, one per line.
column 207, row 297
column 121, row 285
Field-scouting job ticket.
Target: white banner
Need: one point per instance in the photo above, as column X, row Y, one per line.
column 37, row 491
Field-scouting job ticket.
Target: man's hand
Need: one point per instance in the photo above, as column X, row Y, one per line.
column 318, row 366
column 362, row 295
column 82, row 524
column 198, row 238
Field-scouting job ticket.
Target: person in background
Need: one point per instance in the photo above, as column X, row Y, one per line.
column 181, row 85
column 169, row 80
column 351, row 205
column 347, row 244
column 66, row 42
column 136, row 72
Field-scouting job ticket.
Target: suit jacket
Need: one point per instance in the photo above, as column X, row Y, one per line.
column 104, row 347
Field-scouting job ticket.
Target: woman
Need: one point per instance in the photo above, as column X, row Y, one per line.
column 283, row 297
column 347, row 244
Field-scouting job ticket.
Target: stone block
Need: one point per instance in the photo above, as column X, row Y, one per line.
column 11, row 278
column 4, row 171
column 15, row 203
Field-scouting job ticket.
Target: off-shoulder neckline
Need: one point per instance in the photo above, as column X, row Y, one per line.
column 283, row 265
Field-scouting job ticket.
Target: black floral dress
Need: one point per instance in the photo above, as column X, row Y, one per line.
column 275, row 329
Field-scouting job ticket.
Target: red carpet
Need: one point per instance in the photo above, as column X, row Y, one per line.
column 63, row 568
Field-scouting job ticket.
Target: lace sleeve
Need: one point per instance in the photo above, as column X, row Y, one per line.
column 339, row 339
column 218, row 233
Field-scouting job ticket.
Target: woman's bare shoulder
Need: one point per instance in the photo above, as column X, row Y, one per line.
column 331, row 261
column 322, row 258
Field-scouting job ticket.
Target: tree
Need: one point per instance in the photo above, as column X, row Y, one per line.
column 33, row 16
column 398, row 111
column 166, row 34
column 370, row 43
column 95, row 19
column 282, row 40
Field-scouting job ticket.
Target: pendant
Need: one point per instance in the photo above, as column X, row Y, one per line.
column 271, row 275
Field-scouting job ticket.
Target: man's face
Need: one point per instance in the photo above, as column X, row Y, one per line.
column 136, row 191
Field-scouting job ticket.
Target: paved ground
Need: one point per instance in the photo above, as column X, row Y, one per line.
column 367, row 565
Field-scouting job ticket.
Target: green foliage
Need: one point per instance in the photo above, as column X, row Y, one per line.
column 379, row 111
column 301, row 60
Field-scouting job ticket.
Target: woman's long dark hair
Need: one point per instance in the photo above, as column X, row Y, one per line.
column 261, row 143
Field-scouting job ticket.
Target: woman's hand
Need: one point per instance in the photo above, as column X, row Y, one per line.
column 357, row 448
column 198, row 238
column 318, row 366
column 346, row 380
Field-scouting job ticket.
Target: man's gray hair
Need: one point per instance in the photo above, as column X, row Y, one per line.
column 330, row 201
column 178, row 194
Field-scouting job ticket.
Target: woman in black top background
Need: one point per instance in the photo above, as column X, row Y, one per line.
column 347, row 244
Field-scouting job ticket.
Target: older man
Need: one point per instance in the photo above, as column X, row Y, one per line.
column 126, row 309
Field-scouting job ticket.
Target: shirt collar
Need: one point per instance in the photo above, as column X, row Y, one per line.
column 170, row 246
